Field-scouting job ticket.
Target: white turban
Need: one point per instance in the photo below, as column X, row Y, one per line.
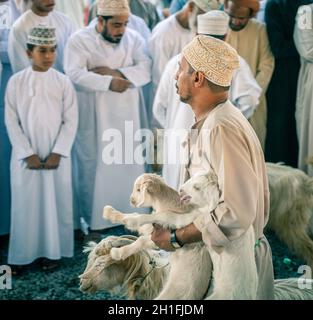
column 214, row 22
column 215, row 58
column 113, row 8
column 207, row 5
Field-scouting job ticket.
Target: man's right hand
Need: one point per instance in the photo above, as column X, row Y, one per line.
column 119, row 84
column 33, row 162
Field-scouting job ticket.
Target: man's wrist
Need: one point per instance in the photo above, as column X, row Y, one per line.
column 174, row 241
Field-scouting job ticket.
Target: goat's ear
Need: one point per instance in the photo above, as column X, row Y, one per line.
column 152, row 186
column 90, row 246
column 100, row 264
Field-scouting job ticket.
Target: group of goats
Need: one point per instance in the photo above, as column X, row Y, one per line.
column 140, row 271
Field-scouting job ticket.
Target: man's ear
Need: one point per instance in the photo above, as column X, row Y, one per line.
column 199, row 79
column 29, row 54
column 191, row 6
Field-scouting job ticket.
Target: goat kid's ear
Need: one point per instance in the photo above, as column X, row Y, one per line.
column 100, row 264
column 151, row 186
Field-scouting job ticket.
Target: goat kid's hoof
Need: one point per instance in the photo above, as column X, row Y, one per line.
column 116, row 254
column 107, row 212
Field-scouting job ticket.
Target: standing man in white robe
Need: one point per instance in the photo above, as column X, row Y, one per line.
column 249, row 37
column 227, row 145
column 175, row 116
column 109, row 64
column 172, row 34
column 42, row 13
column 74, row 9
column 41, row 121
column 303, row 36
column 5, row 147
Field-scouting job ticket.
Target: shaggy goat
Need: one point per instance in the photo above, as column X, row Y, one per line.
column 143, row 275
column 291, row 209
column 234, row 268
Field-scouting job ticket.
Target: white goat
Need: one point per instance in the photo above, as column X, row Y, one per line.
column 291, row 209
column 144, row 274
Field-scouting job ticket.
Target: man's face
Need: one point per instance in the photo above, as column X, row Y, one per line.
column 43, row 57
column 113, row 29
column 239, row 16
column 184, row 81
column 44, row 5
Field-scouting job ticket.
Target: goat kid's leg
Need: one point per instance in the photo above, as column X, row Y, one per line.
column 122, row 253
column 111, row 214
column 116, row 216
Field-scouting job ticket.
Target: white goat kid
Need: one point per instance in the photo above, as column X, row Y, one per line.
column 193, row 259
column 234, row 269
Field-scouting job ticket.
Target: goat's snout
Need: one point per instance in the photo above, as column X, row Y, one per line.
column 184, row 197
column 133, row 201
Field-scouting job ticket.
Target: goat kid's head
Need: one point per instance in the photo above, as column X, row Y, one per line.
column 146, row 188
column 102, row 272
column 201, row 190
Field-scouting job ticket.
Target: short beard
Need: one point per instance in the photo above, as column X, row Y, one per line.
column 185, row 99
column 110, row 39
column 236, row 28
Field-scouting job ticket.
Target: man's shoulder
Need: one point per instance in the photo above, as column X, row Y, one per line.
column 23, row 19
column 61, row 17
column 82, row 34
column 256, row 25
column 164, row 26
column 224, row 115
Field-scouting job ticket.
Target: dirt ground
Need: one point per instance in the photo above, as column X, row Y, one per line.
column 63, row 283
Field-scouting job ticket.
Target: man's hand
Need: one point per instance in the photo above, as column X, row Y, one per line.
column 119, row 85
column 33, row 162
column 161, row 237
column 52, row 161
column 106, row 71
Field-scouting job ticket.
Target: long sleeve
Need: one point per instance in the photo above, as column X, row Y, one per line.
column 17, row 50
column 20, row 142
column 139, row 73
column 66, row 136
column 161, row 99
column 303, row 38
column 280, row 29
column 266, row 62
column 160, row 50
column 230, row 159
column 75, row 66
column 245, row 91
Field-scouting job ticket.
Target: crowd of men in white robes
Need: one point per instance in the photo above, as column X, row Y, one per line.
column 121, row 58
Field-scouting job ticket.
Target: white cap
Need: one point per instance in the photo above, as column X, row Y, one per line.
column 214, row 22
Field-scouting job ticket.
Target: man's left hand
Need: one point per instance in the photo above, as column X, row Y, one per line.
column 52, row 161
column 162, row 238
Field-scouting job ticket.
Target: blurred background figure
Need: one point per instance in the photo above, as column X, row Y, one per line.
column 281, row 140
column 303, row 36
column 249, row 37
column 74, row 9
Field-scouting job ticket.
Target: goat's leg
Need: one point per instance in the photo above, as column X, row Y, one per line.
column 122, row 253
column 165, row 219
column 116, row 216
